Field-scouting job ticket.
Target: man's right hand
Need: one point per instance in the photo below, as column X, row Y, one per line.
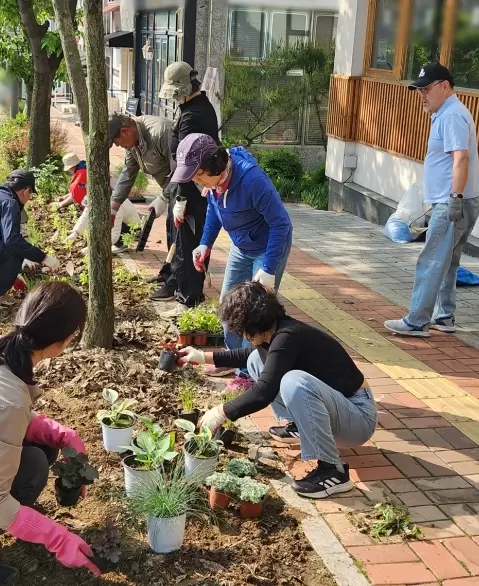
column 160, row 206
column 200, row 254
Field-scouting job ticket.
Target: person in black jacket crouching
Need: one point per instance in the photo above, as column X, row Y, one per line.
column 14, row 249
column 306, row 376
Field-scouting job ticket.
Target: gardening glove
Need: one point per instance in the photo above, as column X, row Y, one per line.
column 72, row 237
column 46, row 431
column 52, row 263
column 200, row 254
column 160, row 206
column 19, row 284
column 454, row 210
column 179, row 210
column 213, row 418
column 70, row 549
column 265, row 279
column 29, row 265
column 191, row 355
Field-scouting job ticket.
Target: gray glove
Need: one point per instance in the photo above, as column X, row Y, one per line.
column 454, row 210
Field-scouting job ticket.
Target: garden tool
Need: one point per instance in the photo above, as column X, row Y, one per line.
column 140, row 247
column 171, row 253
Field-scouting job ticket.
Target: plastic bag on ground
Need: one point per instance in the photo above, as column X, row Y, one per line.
column 407, row 222
column 465, row 277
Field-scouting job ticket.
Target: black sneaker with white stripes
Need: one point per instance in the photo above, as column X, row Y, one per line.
column 325, row 480
column 287, row 434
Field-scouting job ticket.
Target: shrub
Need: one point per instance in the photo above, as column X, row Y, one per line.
column 14, row 141
column 58, row 138
column 50, row 178
column 282, row 162
column 316, row 196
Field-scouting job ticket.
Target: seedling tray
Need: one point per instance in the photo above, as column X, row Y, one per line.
column 212, row 340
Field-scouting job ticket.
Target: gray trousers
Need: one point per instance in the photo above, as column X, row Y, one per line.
column 325, row 418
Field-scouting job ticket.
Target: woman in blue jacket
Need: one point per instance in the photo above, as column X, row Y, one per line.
column 243, row 201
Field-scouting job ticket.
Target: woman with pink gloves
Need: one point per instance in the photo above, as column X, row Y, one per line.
column 51, row 316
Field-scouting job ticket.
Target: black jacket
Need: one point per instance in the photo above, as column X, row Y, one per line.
column 12, row 243
column 196, row 116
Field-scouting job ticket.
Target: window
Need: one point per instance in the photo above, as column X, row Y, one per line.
column 465, row 54
column 384, row 43
column 287, row 28
column 425, row 36
column 325, row 28
column 248, row 34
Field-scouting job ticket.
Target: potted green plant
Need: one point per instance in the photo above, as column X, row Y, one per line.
column 187, row 394
column 116, row 422
column 165, row 502
column 149, row 453
column 72, row 473
column 223, row 486
column 186, row 327
column 201, row 450
column 251, row 496
column 241, row 468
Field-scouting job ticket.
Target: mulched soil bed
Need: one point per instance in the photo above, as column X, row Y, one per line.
column 269, row 551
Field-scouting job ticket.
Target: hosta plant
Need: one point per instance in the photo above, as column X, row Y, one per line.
column 119, row 414
column 151, row 452
column 201, row 444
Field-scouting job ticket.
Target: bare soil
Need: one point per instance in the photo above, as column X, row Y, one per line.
column 269, row 551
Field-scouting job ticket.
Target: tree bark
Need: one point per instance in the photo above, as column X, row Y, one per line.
column 15, row 95
column 65, row 17
column 28, row 104
column 45, row 67
column 101, row 311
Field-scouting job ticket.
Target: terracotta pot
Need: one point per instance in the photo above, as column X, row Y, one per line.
column 185, row 338
column 200, row 339
column 251, row 510
column 218, row 500
column 66, row 497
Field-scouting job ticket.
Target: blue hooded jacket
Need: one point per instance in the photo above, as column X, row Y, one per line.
column 251, row 211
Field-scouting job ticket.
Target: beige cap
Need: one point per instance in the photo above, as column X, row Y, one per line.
column 177, row 81
column 70, row 160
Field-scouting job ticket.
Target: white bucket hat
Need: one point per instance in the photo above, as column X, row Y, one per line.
column 70, row 160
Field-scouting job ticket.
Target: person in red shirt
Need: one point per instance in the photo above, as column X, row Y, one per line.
column 73, row 165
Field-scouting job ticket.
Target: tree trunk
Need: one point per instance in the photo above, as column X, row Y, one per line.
column 65, row 22
column 28, row 104
column 39, row 137
column 45, row 67
column 101, row 310
column 14, row 93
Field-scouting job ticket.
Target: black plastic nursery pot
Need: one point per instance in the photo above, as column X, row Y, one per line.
column 66, row 497
column 8, row 575
column 193, row 416
column 227, row 436
column 168, row 360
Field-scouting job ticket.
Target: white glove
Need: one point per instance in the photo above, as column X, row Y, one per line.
column 29, row 265
column 192, row 355
column 73, row 236
column 213, row 418
column 179, row 210
column 159, row 205
column 265, row 279
column 200, row 254
column 52, row 263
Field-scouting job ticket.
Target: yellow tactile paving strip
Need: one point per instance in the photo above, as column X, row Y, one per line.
column 442, row 396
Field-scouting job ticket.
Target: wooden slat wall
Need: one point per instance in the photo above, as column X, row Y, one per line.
column 384, row 115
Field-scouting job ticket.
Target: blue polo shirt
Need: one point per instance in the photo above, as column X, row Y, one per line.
column 452, row 129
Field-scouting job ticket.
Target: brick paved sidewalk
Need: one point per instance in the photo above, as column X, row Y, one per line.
column 423, row 453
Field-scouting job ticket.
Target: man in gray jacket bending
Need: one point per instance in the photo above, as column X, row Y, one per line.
column 146, row 141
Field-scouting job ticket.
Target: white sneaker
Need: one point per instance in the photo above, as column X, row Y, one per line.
column 176, row 311
column 400, row 327
column 118, row 249
column 444, row 325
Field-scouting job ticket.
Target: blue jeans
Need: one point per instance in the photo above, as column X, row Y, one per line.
column 434, row 291
column 242, row 267
column 325, row 418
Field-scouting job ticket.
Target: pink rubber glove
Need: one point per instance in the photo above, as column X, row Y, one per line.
column 43, row 430
column 70, row 549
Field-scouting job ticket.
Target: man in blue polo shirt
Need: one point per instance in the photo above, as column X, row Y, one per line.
column 451, row 186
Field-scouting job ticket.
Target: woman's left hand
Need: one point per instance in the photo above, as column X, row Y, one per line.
column 213, row 418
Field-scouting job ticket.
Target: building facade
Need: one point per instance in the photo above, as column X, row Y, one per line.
column 377, row 129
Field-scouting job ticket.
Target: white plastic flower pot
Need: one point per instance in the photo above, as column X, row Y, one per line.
column 199, row 468
column 115, row 439
column 135, row 479
column 166, row 535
